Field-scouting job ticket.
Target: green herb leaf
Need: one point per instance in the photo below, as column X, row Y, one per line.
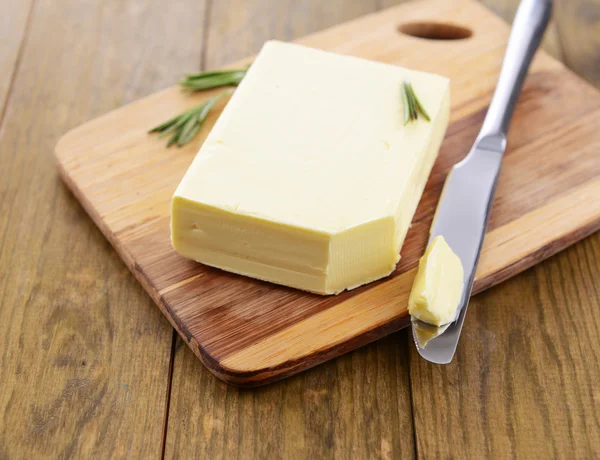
column 412, row 104
column 407, row 112
column 418, row 103
column 186, row 125
column 213, row 79
column 183, row 127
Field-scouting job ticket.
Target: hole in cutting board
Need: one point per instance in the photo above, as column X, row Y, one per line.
column 435, row 30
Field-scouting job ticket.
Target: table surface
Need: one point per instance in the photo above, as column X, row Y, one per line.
column 75, row 382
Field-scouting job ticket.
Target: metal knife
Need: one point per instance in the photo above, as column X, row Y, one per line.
column 462, row 213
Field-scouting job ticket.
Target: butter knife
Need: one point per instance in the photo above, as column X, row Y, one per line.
column 463, row 210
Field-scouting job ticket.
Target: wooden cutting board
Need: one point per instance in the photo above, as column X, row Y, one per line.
column 249, row 332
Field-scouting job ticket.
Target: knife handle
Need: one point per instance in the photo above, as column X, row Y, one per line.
column 528, row 28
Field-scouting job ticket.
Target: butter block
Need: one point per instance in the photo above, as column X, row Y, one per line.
column 438, row 285
column 309, row 177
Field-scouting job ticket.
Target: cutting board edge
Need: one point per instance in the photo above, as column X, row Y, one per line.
column 265, row 375
column 285, row 368
column 239, row 378
column 262, row 376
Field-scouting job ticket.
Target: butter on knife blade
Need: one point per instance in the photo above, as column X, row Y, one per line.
column 438, row 286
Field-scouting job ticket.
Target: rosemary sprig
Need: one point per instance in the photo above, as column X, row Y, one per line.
column 212, row 79
column 411, row 103
column 186, row 125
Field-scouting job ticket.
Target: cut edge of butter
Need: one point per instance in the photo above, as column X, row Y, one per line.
column 302, row 258
column 438, row 286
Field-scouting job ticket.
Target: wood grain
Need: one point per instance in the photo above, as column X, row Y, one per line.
column 249, row 332
column 341, row 408
column 529, row 358
column 238, row 29
column 84, row 354
column 13, row 25
column 357, row 404
column 578, row 23
column 522, row 384
column 506, row 9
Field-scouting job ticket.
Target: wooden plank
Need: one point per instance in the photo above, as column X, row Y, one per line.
column 357, row 406
column 578, row 23
column 316, row 331
column 529, row 349
column 238, row 29
column 524, row 381
column 125, row 179
column 12, row 31
column 506, row 9
column 84, row 353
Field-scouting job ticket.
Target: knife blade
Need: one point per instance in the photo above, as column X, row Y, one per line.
column 466, row 200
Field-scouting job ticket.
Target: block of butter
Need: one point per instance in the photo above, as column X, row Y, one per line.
column 438, row 286
column 310, row 177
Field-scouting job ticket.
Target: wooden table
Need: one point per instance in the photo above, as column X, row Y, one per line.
column 74, row 381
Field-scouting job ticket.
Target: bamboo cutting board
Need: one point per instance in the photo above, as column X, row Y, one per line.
column 250, row 332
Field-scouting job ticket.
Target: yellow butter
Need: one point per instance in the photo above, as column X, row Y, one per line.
column 438, row 285
column 309, row 177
